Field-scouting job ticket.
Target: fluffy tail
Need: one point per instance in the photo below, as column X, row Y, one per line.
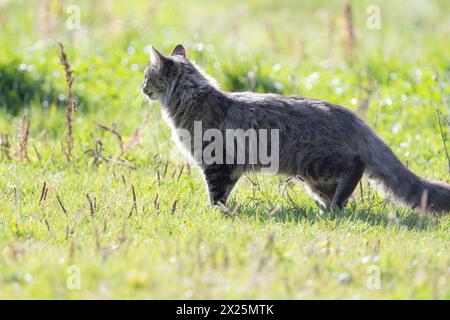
column 386, row 169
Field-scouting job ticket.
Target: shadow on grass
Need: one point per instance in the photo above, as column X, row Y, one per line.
column 382, row 217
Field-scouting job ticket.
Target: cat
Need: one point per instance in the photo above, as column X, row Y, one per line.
column 327, row 146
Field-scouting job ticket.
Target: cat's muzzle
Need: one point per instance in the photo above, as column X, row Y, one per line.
column 149, row 94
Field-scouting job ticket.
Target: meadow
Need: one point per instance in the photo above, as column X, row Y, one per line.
column 97, row 204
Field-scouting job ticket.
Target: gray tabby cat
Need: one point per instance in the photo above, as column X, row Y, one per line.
column 325, row 145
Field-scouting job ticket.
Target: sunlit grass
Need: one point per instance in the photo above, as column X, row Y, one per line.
column 274, row 242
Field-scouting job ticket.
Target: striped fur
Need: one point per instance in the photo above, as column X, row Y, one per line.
column 326, row 145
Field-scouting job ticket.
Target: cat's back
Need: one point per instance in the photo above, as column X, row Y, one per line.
column 292, row 108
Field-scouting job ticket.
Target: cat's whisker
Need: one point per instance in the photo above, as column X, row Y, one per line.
column 137, row 100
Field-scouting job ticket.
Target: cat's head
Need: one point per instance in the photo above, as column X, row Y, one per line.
column 162, row 71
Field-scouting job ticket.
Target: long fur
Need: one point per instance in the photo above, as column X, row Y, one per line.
column 326, row 145
column 393, row 177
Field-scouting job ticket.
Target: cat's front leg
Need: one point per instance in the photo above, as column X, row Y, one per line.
column 220, row 180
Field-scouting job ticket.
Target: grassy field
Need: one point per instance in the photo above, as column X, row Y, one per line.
column 122, row 216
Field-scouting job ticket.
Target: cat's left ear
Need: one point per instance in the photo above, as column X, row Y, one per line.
column 179, row 50
column 157, row 59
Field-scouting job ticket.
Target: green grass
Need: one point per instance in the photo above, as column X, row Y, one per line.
column 276, row 243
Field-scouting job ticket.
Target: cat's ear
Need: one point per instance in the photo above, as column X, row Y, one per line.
column 179, row 50
column 157, row 59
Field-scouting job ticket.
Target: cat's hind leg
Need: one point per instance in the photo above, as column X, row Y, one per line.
column 322, row 192
column 347, row 184
column 220, row 180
